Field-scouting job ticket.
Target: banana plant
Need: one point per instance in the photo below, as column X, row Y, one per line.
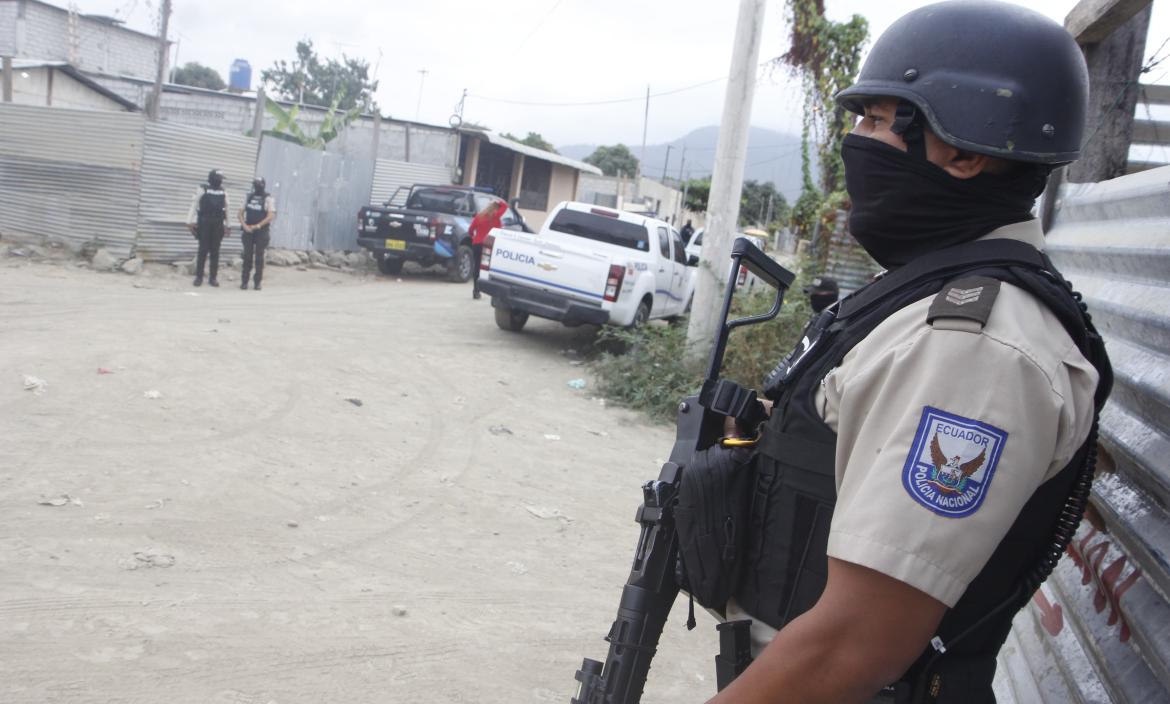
column 332, row 125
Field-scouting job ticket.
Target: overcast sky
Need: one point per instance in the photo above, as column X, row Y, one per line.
column 547, row 51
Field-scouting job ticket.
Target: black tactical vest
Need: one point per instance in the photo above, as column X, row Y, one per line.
column 795, row 493
column 254, row 210
column 212, row 205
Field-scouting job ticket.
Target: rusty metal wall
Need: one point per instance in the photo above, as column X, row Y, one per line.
column 70, row 175
column 1099, row 629
column 176, row 160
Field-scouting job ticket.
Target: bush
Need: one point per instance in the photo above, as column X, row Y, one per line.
column 651, row 376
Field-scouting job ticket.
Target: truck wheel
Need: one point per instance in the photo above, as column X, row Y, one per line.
column 641, row 316
column 510, row 320
column 390, row 266
column 460, row 266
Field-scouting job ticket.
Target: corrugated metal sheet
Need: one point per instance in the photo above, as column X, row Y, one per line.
column 70, row 175
column 291, row 171
column 176, row 161
column 390, row 174
column 1099, row 629
column 344, row 184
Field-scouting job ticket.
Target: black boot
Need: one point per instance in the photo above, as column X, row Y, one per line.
column 213, row 282
column 198, row 280
column 244, row 285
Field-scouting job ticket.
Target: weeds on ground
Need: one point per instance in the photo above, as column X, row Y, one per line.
column 649, row 373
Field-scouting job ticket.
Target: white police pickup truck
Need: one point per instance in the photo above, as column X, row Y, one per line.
column 588, row 264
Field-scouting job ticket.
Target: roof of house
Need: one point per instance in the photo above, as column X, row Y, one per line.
column 75, row 74
column 535, row 153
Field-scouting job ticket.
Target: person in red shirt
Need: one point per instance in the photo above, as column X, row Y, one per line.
column 488, row 219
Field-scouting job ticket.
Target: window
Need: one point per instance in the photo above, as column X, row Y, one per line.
column 680, row 254
column 601, row 228
column 664, row 243
column 440, row 200
column 510, row 218
column 534, row 183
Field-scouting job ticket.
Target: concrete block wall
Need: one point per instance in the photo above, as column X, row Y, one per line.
column 42, row 32
column 8, row 28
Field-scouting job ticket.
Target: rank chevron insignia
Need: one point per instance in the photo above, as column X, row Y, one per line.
column 963, row 296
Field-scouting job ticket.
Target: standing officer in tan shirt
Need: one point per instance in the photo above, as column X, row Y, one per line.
column 931, row 443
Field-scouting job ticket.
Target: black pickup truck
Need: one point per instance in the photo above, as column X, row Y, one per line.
column 428, row 225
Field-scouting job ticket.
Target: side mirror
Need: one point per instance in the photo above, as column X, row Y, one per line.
column 693, row 260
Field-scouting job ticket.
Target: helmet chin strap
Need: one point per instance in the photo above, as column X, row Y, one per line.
column 908, row 125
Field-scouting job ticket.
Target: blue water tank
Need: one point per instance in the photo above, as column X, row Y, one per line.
column 241, row 76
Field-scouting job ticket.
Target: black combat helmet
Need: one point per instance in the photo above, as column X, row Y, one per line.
column 215, row 178
column 989, row 77
column 258, row 185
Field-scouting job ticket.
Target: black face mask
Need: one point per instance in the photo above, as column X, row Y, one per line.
column 905, row 206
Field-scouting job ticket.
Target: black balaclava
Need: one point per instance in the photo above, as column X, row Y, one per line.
column 904, row 206
column 215, row 179
column 258, row 186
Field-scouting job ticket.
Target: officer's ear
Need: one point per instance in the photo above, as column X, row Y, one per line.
column 957, row 162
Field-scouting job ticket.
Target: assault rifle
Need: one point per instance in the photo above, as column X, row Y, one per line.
column 654, row 582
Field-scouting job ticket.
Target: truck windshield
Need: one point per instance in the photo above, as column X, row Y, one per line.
column 601, row 229
column 439, row 200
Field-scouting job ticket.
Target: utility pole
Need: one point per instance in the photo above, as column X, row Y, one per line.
column 423, row 77
column 642, row 156
column 666, row 164
column 726, row 182
column 156, row 97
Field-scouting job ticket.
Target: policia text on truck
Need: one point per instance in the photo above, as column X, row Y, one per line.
column 931, row 442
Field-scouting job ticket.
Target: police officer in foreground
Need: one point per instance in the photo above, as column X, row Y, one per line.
column 921, row 462
column 207, row 221
column 258, row 212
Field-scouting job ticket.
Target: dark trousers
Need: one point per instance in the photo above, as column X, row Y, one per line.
column 255, row 243
column 210, row 237
column 476, row 253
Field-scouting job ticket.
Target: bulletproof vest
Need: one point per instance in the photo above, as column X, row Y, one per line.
column 795, row 493
column 254, row 210
column 211, row 207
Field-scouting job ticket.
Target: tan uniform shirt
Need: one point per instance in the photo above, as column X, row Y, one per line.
column 1001, row 409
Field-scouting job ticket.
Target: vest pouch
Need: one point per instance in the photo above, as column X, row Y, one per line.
column 792, row 509
column 953, row 680
column 711, row 521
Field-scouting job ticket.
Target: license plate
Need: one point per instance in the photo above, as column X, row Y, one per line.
column 395, row 244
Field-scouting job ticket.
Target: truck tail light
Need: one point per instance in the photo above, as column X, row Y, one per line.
column 613, row 285
column 485, row 257
column 436, row 227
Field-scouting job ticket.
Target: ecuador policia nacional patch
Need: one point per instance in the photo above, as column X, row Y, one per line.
column 951, row 462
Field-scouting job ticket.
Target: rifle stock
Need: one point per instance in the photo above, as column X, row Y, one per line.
column 653, row 584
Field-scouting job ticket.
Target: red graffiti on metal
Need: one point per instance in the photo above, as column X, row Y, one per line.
column 1051, row 615
column 1108, row 589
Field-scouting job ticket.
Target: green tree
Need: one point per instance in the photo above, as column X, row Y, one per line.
column 534, row 140
column 698, row 190
column 199, row 76
column 614, row 160
column 826, row 55
column 313, row 81
column 753, row 204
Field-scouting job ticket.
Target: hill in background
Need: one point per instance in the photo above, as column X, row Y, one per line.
column 772, row 156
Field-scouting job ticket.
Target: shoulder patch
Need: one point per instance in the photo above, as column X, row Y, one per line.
column 970, row 298
column 951, row 462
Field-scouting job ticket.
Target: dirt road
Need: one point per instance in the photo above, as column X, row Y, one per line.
column 251, row 535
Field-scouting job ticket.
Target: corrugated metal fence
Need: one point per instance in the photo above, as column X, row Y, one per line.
column 175, row 160
column 389, row 175
column 317, row 193
column 71, row 175
column 112, row 178
column 1099, row 629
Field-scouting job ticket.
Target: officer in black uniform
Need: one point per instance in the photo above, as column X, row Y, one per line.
column 258, row 212
column 931, row 444
column 207, row 221
column 822, row 293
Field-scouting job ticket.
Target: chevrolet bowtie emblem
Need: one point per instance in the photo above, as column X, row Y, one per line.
column 963, row 296
column 394, row 223
column 547, row 267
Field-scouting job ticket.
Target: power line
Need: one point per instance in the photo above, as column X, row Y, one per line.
column 539, row 24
